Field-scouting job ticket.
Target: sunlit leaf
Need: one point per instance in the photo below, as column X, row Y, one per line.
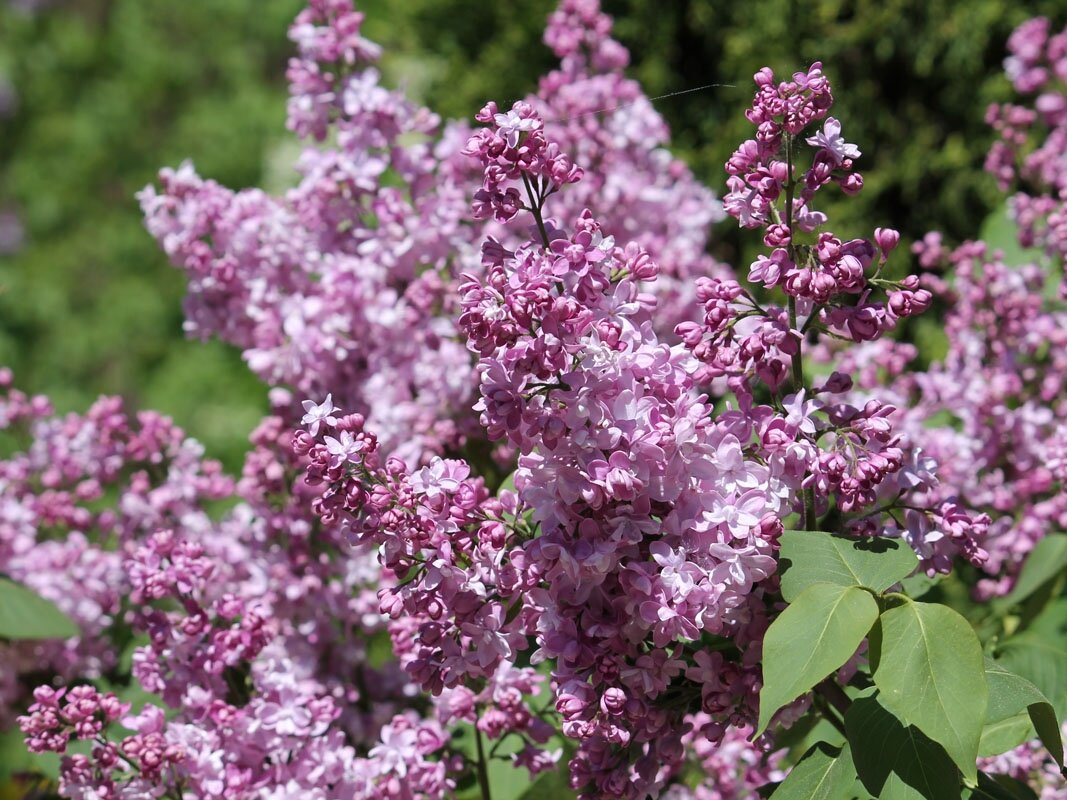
column 931, row 673
column 810, row 557
column 814, row 636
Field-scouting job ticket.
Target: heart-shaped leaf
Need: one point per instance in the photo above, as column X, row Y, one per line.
column 810, row 557
column 999, row 787
column 814, row 636
column 1041, row 659
column 896, row 761
column 931, row 673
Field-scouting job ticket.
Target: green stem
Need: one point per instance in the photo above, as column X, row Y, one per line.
column 798, row 359
column 894, row 503
column 810, row 520
column 812, row 319
column 828, row 714
column 835, row 695
column 535, row 209
column 483, row 771
column 790, row 189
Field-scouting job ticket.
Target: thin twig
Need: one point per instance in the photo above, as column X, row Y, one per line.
column 483, row 772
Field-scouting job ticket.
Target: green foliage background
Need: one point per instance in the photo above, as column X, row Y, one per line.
column 110, row 90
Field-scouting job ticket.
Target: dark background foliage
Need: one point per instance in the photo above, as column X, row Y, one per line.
column 96, row 95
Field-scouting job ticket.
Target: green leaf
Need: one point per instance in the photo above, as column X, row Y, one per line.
column 1047, row 725
column 1004, row 735
column 26, row 615
column 1010, row 696
column 896, row 761
column 1042, row 660
column 824, row 773
column 930, row 670
column 125, row 665
column 919, row 584
column 508, row 782
column 809, row 730
column 1045, row 562
column 999, row 787
column 814, row 636
column 379, row 649
column 1051, row 621
column 15, row 759
column 810, row 557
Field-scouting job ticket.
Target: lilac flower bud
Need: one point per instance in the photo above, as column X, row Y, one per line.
column 887, row 240
column 852, row 183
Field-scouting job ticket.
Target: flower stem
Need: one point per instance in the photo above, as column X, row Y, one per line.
column 483, row 771
column 536, row 202
column 790, row 188
column 835, row 695
column 810, row 520
column 829, row 714
column 831, row 700
column 798, row 359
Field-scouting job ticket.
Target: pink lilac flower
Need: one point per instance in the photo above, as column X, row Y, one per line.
column 315, row 414
column 831, row 142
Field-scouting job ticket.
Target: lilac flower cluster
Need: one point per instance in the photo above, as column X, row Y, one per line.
column 411, row 517
column 250, row 632
column 654, row 528
column 653, row 412
column 833, row 281
column 345, row 284
column 614, row 442
column 475, row 591
column 1037, row 66
column 248, row 697
column 136, row 764
column 572, row 374
column 643, row 524
column 991, row 413
column 642, row 192
column 456, row 610
column 54, row 521
column 833, row 447
column 348, row 284
column 728, row 769
column 517, row 150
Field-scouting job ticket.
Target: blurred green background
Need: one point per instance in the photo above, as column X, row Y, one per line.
column 96, row 95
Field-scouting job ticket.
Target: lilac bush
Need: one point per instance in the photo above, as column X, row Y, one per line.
column 348, row 285
column 547, row 492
